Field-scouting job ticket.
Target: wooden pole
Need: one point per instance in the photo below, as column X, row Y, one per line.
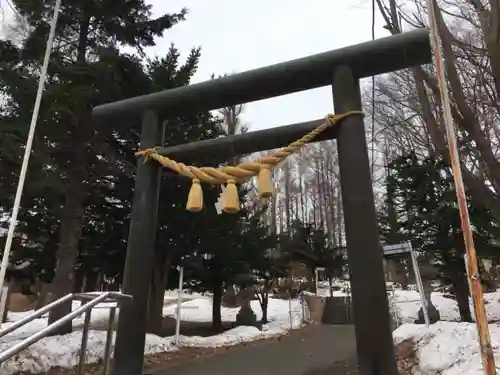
column 473, row 271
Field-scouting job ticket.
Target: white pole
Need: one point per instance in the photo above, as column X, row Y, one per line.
column 317, row 284
column 179, row 303
column 420, row 285
column 29, row 145
column 466, row 261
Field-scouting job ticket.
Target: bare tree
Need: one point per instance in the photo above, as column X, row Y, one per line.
column 14, row 29
column 408, row 102
column 232, row 120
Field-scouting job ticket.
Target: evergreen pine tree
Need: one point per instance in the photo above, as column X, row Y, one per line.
column 425, row 199
column 71, row 156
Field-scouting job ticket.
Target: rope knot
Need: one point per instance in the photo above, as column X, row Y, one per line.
column 331, row 119
column 147, row 153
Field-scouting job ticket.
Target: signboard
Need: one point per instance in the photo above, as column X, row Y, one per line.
column 405, row 248
column 400, row 248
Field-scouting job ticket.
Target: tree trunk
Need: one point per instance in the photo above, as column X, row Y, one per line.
column 311, row 280
column 286, row 168
column 78, row 282
column 157, row 292
column 7, row 304
column 264, row 305
column 91, row 277
column 461, row 286
column 43, row 296
column 216, row 307
column 331, row 219
column 339, row 219
column 302, row 198
column 73, row 210
column 67, row 253
column 404, row 279
column 319, row 195
column 113, row 286
column 274, row 212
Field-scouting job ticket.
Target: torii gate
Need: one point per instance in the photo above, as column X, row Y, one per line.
column 342, row 69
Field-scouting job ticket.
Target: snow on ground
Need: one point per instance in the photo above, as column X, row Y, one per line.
column 448, row 348
column 324, row 292
column 173, row 294
column 445, row 348
column 200, row 310
column 99, row 313
column 407, row 304
column 63, row 350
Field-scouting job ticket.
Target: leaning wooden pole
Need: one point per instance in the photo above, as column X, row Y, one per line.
column 473, row 271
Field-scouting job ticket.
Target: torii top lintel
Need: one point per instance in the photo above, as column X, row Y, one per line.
column 365, row 59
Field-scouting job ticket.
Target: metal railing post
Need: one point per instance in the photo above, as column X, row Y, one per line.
column 109, row 339
column 85, row 337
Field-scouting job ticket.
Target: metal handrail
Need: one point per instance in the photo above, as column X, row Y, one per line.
column 86, row 308
column 37, row 314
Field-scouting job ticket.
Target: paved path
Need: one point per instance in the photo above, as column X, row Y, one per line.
column 317, row 350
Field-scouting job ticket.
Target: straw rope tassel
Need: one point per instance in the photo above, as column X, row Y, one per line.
column 195, row 197
column 232, row 175
column 230, row 198
column 266, row 188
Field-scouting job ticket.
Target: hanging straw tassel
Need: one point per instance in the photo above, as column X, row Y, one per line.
column 266, row 188
column 230, row 199
column 195, row 197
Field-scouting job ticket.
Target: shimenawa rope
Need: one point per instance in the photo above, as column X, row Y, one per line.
column 231, row 175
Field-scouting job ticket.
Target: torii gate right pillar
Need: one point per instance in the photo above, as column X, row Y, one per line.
column 370, row 306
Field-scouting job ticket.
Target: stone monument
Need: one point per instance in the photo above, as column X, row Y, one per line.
column 246, row 316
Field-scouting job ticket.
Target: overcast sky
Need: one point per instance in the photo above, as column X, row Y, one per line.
column 239, row 35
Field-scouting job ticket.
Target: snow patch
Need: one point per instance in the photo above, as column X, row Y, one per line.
column 63, row 351
column 447, row 348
